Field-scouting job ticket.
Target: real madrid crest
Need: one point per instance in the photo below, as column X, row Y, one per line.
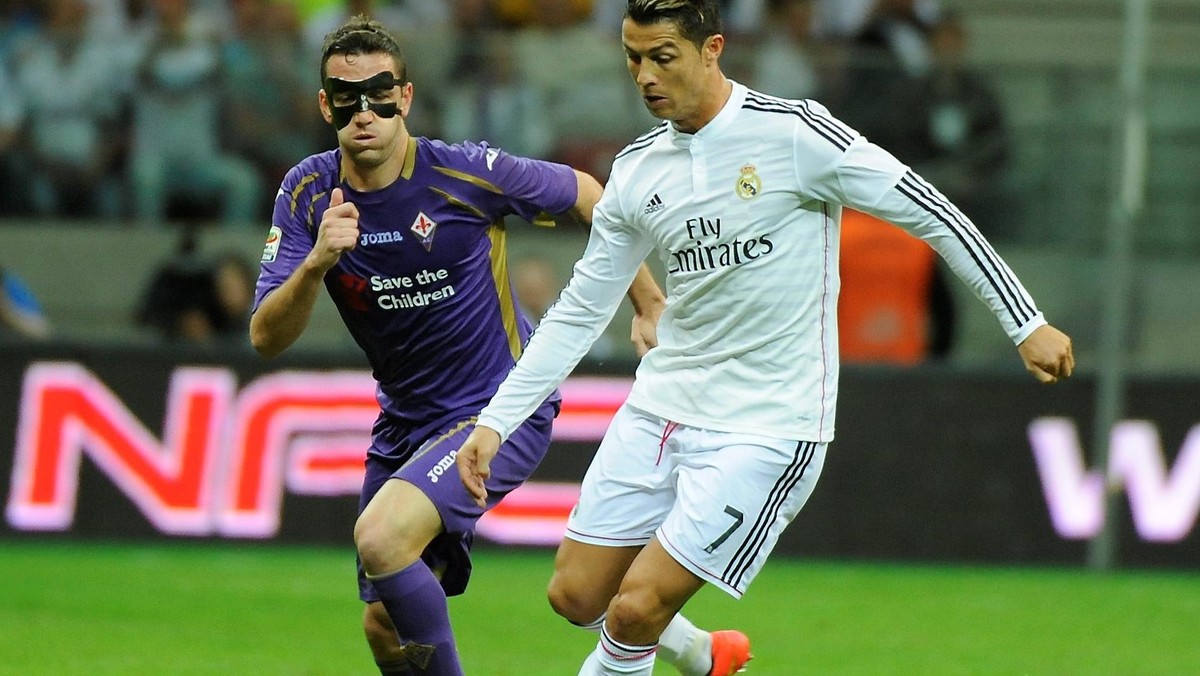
column 748, row 183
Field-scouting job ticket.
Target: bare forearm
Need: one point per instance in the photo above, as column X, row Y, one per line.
column 648, row 303
column 645, row 295
column 589, row 194
column 283, row 315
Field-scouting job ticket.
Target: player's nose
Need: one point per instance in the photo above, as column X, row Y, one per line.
column 645, row 79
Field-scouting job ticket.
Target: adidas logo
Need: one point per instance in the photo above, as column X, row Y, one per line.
column 655, row 204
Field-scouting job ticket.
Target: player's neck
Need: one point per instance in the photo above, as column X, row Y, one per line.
column 720, row 89
column 365, row 177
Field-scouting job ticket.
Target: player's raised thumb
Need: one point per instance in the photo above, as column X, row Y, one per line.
column 336, row 198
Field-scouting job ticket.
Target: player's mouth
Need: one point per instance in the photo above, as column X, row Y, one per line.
column 654, row 100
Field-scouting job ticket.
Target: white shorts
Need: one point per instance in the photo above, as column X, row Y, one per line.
column 717, row 501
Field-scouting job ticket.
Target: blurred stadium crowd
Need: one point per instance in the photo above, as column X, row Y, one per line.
column 149, row 110
column 145, row 114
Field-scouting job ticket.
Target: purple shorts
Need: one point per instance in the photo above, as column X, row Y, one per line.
column 424, row 457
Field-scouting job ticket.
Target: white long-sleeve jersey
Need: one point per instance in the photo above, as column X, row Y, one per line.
column 745, row 218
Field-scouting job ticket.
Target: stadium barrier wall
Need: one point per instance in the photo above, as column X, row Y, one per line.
column 930, row 464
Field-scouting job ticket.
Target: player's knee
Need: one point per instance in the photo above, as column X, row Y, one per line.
column 637, row 615
column 395, row 527
column 379, row 543
column 573, row 602
column 386, row 545
column 368, row 540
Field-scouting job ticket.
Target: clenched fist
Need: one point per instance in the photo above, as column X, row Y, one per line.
column 337, row 234
column 1047, row 354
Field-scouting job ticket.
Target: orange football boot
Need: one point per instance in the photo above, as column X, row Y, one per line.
column 730, row 652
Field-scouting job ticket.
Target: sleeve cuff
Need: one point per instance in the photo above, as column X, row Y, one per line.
column 1023, row 331
column 493, row 423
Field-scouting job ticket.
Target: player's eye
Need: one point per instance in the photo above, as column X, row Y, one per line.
column 341, row 100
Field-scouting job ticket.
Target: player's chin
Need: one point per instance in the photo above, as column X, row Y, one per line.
column 365, row 155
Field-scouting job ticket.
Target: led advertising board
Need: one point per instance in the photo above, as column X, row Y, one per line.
column 928, row 464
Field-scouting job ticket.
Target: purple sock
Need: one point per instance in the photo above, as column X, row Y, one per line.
column 416, row 603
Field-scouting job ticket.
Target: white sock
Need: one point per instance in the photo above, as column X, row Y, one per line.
column 611, row 658
column 595, row 625
column 682, row 645
column 686, row 647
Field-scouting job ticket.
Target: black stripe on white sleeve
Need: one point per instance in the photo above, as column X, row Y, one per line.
column 642, row 141
column 923, row 195
column 822, row 126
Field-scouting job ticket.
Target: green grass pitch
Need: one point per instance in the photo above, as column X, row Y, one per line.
column 250, row 609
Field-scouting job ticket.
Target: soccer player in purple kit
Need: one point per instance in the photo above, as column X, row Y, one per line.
column 407, row 235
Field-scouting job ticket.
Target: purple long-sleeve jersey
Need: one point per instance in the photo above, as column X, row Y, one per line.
column 425, row 292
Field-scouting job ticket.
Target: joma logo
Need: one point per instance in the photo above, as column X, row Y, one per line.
column 369, row 238
column 439, row 469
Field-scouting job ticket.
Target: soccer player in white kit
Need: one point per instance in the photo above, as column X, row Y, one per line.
column 724, row 433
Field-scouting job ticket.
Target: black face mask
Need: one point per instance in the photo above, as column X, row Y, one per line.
column 377, row 86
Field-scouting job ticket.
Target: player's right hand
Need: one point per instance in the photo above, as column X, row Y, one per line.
column 474, row 461
column 1047, row 354
column 337, row 234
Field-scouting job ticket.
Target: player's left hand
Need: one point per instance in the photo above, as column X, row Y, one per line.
column 644, row 332
column 1047, row 354
column 648, row 305
column 474, row 461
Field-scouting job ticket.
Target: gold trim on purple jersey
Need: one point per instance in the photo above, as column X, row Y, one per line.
column 458, row 202
column 508, row 309
column 410, row 159
column 304, row 181
column 469, row 178
column 432, row 443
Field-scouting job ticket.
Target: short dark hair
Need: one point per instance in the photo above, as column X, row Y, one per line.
column 362, row 35
column 696, row 19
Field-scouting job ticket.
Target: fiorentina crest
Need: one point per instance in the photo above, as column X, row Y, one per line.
column 424, row 227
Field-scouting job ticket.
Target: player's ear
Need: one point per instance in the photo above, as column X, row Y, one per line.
column 713, row 46
column 406, row 98
column 323, row 104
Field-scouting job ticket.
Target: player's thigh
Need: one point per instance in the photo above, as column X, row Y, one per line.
column 628, row 489
column 397, row 524
column 432, row 470
column 736, row 495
